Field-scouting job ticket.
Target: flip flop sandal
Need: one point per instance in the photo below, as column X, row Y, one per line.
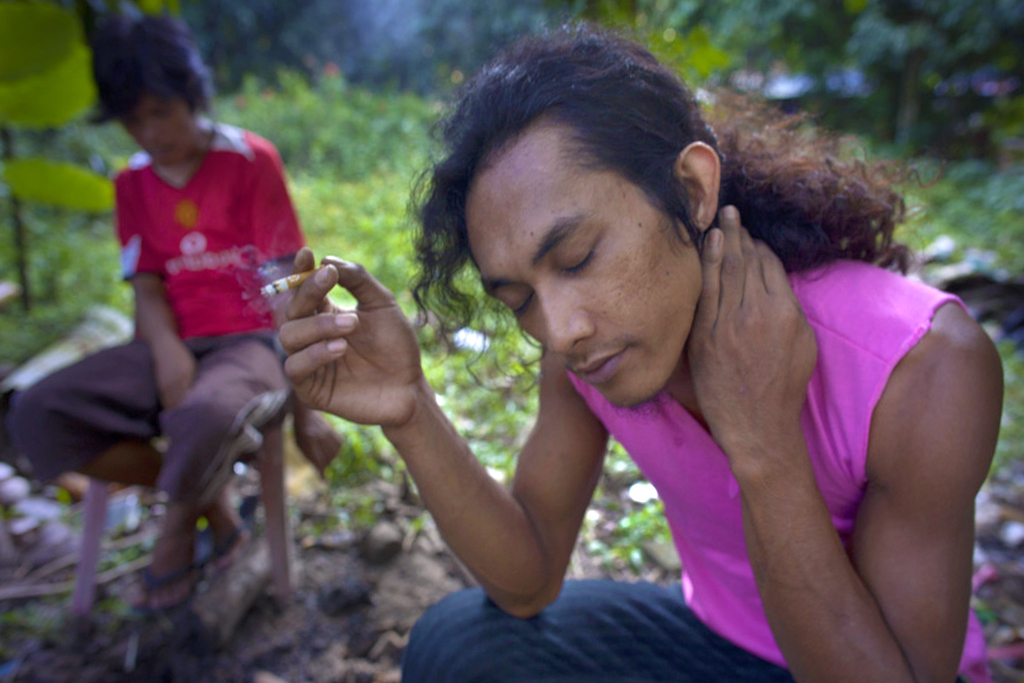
column 153, row 582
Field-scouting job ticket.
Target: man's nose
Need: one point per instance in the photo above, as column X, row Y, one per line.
column 566, row 323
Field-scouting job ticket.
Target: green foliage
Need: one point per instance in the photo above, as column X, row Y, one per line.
column 74, row 263
column 334, row 129
column 413, row 45
column 45, row 66
column 980, row 207
column 40, row 619
column 36, row 37
column 618, row 543
column 59, row 183
column 492, row 400
column 51, row 98
column 1011, row 433
column 1006, row 119
column 46, row 83
column 639, row 524
column 903, row 51
column 693, row 54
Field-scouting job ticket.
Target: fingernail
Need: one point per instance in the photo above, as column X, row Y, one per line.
column 336, row 345
column 322, row 277
column 344, row 320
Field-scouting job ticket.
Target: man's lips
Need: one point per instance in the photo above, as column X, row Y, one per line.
column 600, row 370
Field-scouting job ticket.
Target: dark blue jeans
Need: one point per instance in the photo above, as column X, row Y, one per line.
column 596, row 632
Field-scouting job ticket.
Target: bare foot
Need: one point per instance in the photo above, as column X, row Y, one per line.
column 316, row 437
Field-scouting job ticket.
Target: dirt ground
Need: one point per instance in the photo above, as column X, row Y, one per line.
column 347, row 622
column 350, row 615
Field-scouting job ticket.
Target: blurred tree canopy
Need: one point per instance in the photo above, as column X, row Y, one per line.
column 937, row 76
column 943, row 76
column 412, row 45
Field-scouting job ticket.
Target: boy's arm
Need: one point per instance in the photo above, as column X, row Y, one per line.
column 175, row 366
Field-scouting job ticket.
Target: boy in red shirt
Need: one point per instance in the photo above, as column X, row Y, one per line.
column 204, row 218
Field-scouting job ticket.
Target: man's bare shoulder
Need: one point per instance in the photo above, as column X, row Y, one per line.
column 943, row 402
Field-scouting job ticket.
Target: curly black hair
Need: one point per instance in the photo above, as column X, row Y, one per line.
column 629, row 114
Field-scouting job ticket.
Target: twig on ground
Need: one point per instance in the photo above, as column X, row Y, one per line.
column 35, row 590
column 72, row 558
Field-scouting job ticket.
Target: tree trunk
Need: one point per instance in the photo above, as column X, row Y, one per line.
column 910, row 98
column 20, row 251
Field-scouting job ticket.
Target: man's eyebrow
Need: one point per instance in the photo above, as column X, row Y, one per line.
column 559, row 232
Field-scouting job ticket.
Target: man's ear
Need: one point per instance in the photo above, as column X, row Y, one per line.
column 699, row 170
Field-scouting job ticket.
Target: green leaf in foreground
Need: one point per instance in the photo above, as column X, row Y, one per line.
column 34, row 37
column 60, row 184
column 52, row 98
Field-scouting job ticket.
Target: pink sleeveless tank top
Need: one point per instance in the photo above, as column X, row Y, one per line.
column 865, row 319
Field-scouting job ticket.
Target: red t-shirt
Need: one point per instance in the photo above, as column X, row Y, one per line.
column 208, row 238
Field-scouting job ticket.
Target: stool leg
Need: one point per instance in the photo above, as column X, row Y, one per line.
column 278, row 532
column 94, row 517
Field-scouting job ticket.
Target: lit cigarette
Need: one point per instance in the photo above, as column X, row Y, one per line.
column 285, row 283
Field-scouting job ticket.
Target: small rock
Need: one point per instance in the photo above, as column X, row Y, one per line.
column 6, row 471
column 1012, row 534
column 942, row 249
column 38, row 508
column 382, row 543
column 389, row 646
column 124, row 513
column 343, row 596
column 53, row 541
column 980, row 557
column 987, row 513
column 14, row 490
column 19, row 526
column 267, row 677
column 664, row 555
column 642, row 492
column 335, row 540
column 360, row 671
column 1012, row 614
column 1003, row 635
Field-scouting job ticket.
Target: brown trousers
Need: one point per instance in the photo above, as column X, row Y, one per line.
column 79, row 412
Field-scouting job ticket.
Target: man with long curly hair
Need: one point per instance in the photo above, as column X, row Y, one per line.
column 816, row 424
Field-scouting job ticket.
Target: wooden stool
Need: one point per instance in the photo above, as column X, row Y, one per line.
column 270, row 461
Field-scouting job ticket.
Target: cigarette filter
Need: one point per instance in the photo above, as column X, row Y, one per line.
column 285, row 283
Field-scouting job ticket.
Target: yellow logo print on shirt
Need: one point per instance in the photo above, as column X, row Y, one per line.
column 186, row 214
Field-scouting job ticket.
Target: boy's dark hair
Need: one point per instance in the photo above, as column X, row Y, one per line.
column 631, row 115
column 137, row 55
